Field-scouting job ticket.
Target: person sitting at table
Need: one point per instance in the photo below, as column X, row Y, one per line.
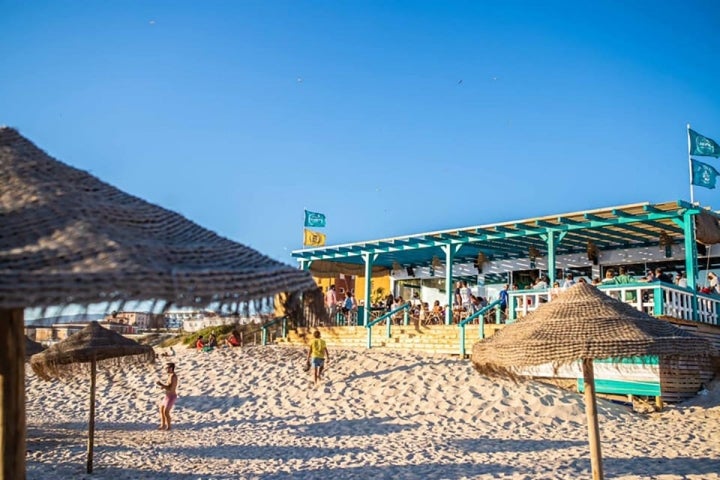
column 661, row 276
column 475, row 304
column 714, row 282
column 649, row 277
column 437, row 312
column 609, row 277
column 623, row 279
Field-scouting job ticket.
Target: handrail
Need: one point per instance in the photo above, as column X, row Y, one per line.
column 388, row 318
column 472, row 317
column 269, row 324
column 656, row 298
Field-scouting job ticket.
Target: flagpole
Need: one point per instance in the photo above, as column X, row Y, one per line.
column 692, row 191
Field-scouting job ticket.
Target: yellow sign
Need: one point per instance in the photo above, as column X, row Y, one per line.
column 313, row 239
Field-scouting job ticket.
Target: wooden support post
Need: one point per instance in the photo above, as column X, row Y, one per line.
column 12, row 394
column 659, row 403
column 592, row 419
column 91, row 419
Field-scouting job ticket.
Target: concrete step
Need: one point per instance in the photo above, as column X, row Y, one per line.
column 442, row 339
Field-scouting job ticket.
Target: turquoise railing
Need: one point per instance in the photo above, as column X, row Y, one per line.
column 265, row 327
column 388, row 318
column 481, row 329
column 654, row 298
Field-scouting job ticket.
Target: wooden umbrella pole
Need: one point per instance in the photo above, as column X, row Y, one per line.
column 592, row 419
column 12, row 394
column 91, row 421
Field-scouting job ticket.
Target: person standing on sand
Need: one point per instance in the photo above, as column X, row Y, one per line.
column 318, row 352
column 170, row 396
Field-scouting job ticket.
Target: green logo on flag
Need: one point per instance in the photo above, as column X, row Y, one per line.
column 314, row 219
column 703, row 146
column 703, row 175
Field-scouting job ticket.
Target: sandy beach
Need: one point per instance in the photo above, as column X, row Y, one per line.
column 253, row 413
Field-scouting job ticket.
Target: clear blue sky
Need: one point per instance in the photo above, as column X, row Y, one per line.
column 391, row 117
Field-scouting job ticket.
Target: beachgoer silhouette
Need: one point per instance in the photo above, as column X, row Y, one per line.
column 170, row 396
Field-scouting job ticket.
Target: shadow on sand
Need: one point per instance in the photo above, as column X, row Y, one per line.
column 206, row 403
column 255, row 452
column 494, row 445
column 427, row 470
column 400, row 368
column 357, row 427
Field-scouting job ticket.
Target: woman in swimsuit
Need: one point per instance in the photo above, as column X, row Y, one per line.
column 170, row 396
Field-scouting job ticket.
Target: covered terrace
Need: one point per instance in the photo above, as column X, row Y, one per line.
column 588, row 233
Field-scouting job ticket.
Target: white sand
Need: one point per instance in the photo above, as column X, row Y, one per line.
column 254, row 413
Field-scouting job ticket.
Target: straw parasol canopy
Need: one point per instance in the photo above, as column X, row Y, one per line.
column 69, row 238
column 90, row 345
column 32, row 347
column 583, row 323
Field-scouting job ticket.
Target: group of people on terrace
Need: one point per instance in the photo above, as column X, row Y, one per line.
column 347, row 305
column 619, row 276
column 465, row 302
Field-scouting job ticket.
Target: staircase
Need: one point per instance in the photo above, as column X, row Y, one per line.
column 434, row 339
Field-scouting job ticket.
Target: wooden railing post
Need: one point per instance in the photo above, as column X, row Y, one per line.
column 592, row 419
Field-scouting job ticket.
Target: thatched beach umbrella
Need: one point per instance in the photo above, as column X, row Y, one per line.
column 583, row 323
column 90, row 345
column 32, row 347
column 68, row 238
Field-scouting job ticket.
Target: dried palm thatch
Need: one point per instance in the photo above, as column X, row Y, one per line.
column 69, row 238
column 583, row 323
column 32, row 347
column 92, row 343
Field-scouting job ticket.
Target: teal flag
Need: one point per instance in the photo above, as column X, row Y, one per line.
column 703, row 146
column 314, row 219
column 703, row 175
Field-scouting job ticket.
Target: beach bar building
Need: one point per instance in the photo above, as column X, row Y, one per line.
column 676, row 236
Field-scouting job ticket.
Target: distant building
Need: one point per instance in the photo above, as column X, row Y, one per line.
column 177, row 319
column 60, row 331
column 139, row 320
